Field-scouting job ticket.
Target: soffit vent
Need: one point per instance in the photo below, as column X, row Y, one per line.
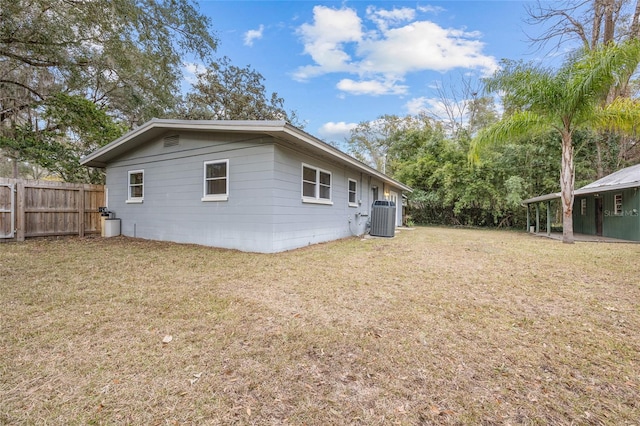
column 170, row 141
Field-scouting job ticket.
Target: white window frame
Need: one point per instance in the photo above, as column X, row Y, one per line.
column 316, row 199
column 215, row 197
column 583, row 207
column 355, row 193
column 130, row 199
column 617, row 204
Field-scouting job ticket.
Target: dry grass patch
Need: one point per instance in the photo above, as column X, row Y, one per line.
column 435, row 326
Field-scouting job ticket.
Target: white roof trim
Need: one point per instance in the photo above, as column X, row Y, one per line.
column 100, row 157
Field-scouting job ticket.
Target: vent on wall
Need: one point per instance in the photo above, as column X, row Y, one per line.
column 171, row 141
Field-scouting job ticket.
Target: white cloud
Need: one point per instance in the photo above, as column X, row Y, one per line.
column 191, row 71
column 371, row 87
column 386, row 18
column 325, row 39
column 339, row 42
column 443, row 110
column 432, row 106
column 425, row 46
column 431, row 9
column 252, row 35
column 336, row 132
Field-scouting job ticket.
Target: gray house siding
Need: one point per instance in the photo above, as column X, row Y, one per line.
column 264, row 209
column 298, row 223
column 173, row 209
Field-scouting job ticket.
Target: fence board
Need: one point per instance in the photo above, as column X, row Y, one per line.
column 7, row 210
column 52, row 208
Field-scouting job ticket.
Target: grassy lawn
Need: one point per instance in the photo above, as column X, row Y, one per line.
column 435, row 326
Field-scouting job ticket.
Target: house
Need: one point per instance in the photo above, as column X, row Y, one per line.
column 607, row 207
column 262, row 186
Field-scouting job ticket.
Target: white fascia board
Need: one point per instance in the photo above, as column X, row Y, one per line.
column 224, row 125
column 257, row 126
column 317, row 143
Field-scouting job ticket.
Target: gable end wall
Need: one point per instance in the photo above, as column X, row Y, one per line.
column 172, row 209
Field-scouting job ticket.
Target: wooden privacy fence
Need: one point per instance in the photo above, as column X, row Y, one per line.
column 31, row 208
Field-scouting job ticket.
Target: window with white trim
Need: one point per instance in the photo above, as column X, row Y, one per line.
column 618, row 204
column 316, row 185
column 135, row 186
column 353, row 192
column 583, row 207
column 216, row 180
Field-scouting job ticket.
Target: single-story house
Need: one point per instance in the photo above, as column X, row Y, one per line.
column 607, row 207
column 261, row 186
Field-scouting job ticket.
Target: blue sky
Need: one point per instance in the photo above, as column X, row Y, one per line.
column 340, row 63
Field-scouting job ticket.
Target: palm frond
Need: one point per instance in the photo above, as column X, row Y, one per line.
column 519, row 124
column 622, row 115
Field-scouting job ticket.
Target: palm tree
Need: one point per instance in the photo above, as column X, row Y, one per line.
column 539, row 100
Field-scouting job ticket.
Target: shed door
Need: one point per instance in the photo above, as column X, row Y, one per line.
column 598, row 215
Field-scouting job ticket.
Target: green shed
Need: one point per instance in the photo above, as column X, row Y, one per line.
column 607, row 207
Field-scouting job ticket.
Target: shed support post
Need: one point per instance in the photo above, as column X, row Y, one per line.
column 549, row 218
column 528, row 218
column 537, row 218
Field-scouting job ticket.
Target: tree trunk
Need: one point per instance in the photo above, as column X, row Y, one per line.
column 635, row 23
column 14, row 163
column 609, row 26
column 599, row 166
column 567, row 178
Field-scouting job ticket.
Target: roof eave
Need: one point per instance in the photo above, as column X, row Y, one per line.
column 317, row 143
column 273, row 128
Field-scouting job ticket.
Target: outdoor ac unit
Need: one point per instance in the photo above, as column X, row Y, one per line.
column 383, row 219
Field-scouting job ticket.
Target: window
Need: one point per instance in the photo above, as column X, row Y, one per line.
column 136, row 186
column 618, row 204
column 216, row 180
column 583, row 207
column 316, row 185
column 353, row 193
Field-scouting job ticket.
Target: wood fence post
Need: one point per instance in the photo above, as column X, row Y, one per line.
column 81, row 212
column 20, row 211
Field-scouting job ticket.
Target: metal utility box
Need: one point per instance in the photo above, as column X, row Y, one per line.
column 111, row 227
column 383, row 219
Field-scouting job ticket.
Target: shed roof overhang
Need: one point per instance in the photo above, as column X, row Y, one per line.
column 279, row 130
column 582, row 191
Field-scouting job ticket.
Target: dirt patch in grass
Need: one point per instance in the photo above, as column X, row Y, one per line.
column 435, row 326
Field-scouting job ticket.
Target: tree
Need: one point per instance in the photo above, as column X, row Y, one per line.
column 563, row 101
column 371, row 141
column 72, row 126
column 461, row 110
column 590, row 23
column 227, row 92
column 593, row 24
column 125, row 56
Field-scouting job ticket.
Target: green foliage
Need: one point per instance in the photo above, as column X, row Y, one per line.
column 563, row 101
column 74, row 127
column 227, row 92
column 120, row 56
column 383, row 142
